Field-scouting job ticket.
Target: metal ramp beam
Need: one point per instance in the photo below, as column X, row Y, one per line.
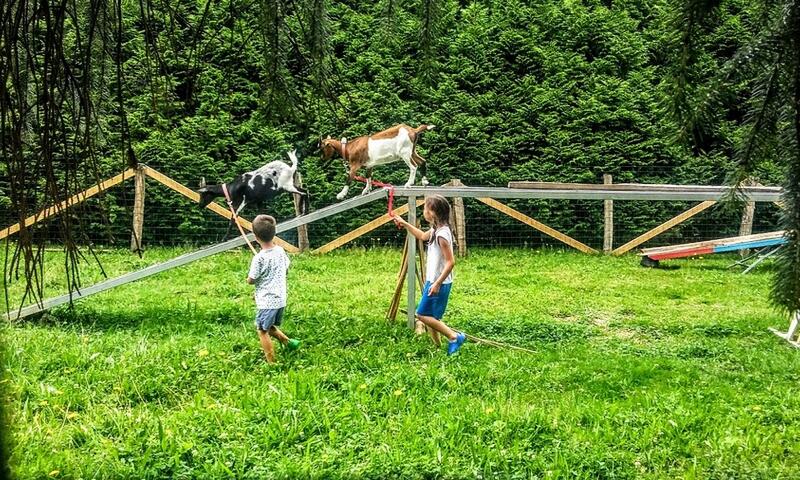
column 193, row 256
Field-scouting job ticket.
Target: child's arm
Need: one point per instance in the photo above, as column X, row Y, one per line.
column 424, row 236
column 449, row 263
column 255, row 271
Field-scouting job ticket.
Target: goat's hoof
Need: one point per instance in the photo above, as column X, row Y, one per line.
column 339, row 196
column 425, row 181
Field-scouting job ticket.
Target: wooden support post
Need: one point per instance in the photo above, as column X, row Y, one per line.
column 138, row 210
column 460, row 221
column 746, row 227
column 302, row 231
column 608, row 219
column 411, row 275
column 515, row 214
column 664, row 227
column 73, row 200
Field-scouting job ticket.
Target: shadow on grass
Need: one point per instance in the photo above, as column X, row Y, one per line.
column 156, row 317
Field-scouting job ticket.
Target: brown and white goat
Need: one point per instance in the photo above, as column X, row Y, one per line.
column 394, row 144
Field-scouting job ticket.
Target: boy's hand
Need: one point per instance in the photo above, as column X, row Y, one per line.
column 434, row 290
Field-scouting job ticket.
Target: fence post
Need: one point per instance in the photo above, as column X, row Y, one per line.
column 608, row 216
column 302, row 231
column 460, row 221
column 411, row 274
column 138, row 210
column 746, row 227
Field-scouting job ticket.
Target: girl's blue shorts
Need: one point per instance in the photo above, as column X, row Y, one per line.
column 434, row 306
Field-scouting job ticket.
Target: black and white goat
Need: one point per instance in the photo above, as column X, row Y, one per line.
column 257, row 186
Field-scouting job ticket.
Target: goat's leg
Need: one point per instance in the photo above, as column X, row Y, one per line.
column 303, row 193
column 423, row 167
column 368, row 187
column 346, row 187
column 412, row 173
column 240, row 208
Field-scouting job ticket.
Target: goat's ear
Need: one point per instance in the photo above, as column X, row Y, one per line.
column 329, row 137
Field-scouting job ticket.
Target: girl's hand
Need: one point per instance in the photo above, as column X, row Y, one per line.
column 434, row 290
column 398, row 220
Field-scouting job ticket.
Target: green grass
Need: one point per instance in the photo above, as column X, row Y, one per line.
column 638, row 374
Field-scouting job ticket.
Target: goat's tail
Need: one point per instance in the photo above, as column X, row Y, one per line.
column 423, row 128
column 293, row 157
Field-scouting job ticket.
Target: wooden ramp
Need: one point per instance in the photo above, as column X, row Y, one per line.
column 712, row 246
column 193, row 256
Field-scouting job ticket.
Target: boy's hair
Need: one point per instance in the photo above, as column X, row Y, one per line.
column 440, row 207
column 264, row 227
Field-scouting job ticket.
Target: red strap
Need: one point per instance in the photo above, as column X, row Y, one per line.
column 387, row 186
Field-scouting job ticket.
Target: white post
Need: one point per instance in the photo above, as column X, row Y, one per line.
column 411, row 274
column 789, row 335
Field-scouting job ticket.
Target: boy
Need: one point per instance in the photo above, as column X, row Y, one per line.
column 268, row 273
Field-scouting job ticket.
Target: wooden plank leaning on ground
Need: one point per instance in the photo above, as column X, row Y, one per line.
column 663, row 227
column 717, row 242
column 537, row 225
column 213, row 206
column 73, row 200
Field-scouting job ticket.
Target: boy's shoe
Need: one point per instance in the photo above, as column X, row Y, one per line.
column 452, row 347
column 293, row 344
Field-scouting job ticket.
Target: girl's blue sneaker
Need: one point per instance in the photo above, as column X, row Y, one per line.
column 452, row 347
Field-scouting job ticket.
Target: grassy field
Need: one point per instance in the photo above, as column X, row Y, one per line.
column 638, row 374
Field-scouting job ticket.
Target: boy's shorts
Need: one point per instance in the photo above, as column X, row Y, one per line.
column 269, row 317
column 434, row 306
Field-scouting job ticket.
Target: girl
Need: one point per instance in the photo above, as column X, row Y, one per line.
column 438, row 270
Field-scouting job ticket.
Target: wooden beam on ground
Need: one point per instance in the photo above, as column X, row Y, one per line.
column 138, row 211
column 193, row 256
column 716, row 242
column 664, row 227
column 363, row 229
column 608, row 219
column 517, row 215
column 213, row 206
column 73, row 200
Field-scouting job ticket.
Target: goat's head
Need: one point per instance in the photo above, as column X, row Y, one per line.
column 207, row 195
column 326, row 145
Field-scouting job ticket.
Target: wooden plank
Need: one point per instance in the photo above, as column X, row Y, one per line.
column 138, row 210
column 367, row 227
column 213, row 206
column 515, row 214
column 608, row 219
column 663, row 227
column 638, row 187
column 716, row 242
column 193, row 256
column 411, row 275
column 682, row 194
column 73, row 200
